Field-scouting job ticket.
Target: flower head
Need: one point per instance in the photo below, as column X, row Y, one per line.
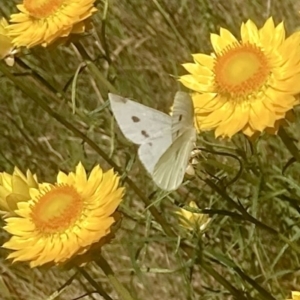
column 44, row 21
column 246, row 85
column 295, row 296
column 192, row 220
column 66, row 219
column 6, row 46
column 15, row 188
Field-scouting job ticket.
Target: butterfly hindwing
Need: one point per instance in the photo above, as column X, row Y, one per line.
column 150, row 152
column 170, row 169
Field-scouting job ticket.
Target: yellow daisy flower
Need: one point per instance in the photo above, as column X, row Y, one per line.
column 7, row 49
column 295, row 296
column 15, row 188
column 64, row 219
column 246, row 85
column 42, row 22
column 190, row 220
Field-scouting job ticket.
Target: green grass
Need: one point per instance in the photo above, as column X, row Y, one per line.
column 251, row 248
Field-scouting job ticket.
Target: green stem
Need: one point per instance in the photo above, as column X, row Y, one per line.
column 169, row 22
column 289, row 143
column 95, row 285
column 119, row 287
column 100, row 79
column 291, row 244
column 222, row 281
column 103, row 33
column 95, row 71
column 250, row 218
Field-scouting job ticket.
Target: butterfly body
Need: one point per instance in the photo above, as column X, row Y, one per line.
column 165, row 141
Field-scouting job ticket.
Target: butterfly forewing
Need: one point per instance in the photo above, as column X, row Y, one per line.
column 139, row 123
column 145, row 126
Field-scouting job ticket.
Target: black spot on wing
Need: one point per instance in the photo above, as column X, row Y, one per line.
column 135, row 119
column 124, row 100
column 180, row 118
column 144, row 133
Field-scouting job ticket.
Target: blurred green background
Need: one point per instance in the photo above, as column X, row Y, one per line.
column 147, row 42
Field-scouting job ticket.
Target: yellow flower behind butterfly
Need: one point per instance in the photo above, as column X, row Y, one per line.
column 65, row 219
column 246, row 85
column 6, row 46
column 44, row 21
column 192, row 220
column 295, row 296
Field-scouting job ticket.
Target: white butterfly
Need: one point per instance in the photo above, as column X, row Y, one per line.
column 165, row 141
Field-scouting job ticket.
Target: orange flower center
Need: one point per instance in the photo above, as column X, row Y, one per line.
column 241, row 69
column 42, row 8
column 57, row 209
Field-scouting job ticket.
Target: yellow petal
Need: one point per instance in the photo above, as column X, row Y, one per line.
column 196, row 69
column 219, row 115
column 227, row 37
column 266, row 33
column 19, row 186
column 249, row 33
column 192, row 83
column 216, row 43
column 235, row 123
column 260, row 117
column 204, row 60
